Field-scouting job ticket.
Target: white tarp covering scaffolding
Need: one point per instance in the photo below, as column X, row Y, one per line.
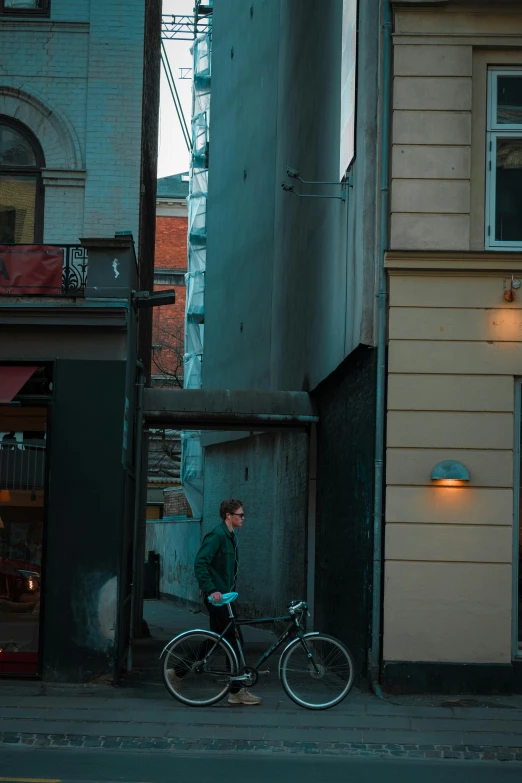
column 192, row 453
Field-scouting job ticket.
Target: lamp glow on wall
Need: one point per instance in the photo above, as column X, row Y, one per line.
column 450, row 473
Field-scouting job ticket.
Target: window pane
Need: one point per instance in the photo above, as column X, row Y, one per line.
column 17, row 205
column 22, row 514
column 23, row 4
column 509, row 100
column 508, row 207
column 15, row 150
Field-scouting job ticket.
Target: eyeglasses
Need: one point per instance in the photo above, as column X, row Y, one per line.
column 242, row 516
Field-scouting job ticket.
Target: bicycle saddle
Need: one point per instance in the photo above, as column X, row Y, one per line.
column 226, row 598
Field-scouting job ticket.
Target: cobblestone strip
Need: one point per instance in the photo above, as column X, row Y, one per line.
column 474, row 752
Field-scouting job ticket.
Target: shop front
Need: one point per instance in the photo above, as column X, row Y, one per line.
column 68, row 381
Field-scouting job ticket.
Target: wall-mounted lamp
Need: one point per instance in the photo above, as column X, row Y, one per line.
column 450, row 472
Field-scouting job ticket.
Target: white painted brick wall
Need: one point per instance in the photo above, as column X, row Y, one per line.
column 63, row 214
column 70, row 10
column 88, row 74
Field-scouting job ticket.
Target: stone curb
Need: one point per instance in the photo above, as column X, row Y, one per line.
column 453, row 752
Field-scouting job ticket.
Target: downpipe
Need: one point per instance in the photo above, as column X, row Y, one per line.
column 137, row 490
column 385, row 79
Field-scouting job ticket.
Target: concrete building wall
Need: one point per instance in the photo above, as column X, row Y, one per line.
column 177, row 541
column 289, row 293
column 242, row 193
column 269, row 473
column 80, row 93
column 287, row 297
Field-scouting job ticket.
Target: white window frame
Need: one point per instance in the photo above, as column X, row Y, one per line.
column 494, row 132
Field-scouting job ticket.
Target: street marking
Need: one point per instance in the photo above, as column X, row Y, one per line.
column 30, row 780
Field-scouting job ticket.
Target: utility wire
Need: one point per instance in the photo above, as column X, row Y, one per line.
column 175, row 97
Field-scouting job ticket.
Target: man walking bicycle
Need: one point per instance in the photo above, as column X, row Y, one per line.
column 216, row 567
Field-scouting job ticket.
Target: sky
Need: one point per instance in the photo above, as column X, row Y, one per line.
column 173, row 153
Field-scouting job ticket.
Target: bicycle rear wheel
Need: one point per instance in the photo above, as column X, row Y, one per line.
column 319, row 686
column 197, row 667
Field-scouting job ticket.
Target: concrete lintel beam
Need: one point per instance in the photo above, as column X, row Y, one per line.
column 223, row 408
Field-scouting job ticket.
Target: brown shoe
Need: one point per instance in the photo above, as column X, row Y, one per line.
column 174, row 680
column 243, row 697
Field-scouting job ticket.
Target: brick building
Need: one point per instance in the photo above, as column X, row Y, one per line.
column 165, row 496
column 170, row 266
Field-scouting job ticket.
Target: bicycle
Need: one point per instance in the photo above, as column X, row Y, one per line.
column 316, row 670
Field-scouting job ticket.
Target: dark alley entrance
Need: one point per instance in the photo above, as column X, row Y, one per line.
column 258, row 447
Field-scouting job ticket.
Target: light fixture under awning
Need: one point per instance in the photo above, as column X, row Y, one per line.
column 12, row 378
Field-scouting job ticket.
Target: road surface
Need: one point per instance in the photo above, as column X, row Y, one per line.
column 52, row 765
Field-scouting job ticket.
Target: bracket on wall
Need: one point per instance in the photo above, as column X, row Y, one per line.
column 294, row 174
column 153, row 298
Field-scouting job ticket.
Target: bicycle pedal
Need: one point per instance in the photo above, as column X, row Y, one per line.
column 264, row 671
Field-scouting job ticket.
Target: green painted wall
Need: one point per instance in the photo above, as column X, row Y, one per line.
column 85, row 522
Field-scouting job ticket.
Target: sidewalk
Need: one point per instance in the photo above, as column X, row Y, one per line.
column 140, row 714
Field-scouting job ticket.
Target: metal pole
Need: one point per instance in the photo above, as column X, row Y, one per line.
column 311, row 531
column 375, row 652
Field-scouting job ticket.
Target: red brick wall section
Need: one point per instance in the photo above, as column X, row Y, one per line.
column 171, row 243
column 168, row 320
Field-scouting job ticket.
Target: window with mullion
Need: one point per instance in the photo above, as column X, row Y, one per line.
column 25, row 7
column 21, row 189
column 504, row 160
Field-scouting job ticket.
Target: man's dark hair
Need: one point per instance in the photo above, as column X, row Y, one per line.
column 229, row 506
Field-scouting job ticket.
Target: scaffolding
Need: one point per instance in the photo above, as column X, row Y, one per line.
column 192, row 453
column 182, row 27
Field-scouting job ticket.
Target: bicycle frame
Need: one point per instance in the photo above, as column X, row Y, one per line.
column 293, row 623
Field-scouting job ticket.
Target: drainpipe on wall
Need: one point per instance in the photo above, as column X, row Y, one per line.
column 137, row 490
column 385, row 80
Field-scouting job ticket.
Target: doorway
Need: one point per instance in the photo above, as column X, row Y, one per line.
column 23, row 450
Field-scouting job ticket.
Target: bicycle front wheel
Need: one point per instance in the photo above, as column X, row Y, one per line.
column 317, row 671
column 197, row 667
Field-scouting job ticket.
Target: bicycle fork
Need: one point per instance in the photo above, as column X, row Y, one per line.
column 309, row 655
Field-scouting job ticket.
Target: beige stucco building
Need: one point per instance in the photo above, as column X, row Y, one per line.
column 451, row 589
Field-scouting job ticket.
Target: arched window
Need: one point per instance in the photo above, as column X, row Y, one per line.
column 21, row 189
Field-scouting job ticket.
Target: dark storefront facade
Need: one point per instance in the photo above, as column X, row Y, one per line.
column 67, row 472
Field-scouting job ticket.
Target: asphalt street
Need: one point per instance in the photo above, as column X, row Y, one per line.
column 28, row 765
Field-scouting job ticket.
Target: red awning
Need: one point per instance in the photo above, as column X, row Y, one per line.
column 12, row 379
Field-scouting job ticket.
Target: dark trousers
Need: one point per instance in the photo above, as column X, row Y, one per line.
column 219, row 619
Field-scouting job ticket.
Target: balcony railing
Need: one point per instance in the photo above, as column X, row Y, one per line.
column 35, row 269
column 22, row 466
column 74, row 274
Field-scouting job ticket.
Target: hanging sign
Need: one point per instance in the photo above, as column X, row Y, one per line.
column 31, row 269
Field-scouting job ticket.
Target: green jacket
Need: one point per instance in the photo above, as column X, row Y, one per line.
column 215, row 566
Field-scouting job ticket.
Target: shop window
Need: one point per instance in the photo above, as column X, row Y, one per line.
column 25, row 7
column 23, row 474
column 504, row 164
column 21, row 190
